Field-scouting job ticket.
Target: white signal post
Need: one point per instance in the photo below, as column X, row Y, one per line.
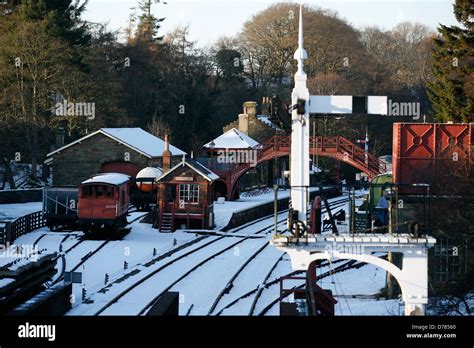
column 316, row 104
column 413, row 276
column 299, row 158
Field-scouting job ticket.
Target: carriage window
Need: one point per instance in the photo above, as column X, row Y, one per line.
column 87, row 191
column 99, row 191
column 189, row 193
column 109, row 191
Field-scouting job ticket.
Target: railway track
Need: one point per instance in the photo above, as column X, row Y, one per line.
column 265, row 285
column 186, row 274
column 60, row 253
column 170, row 253
column 35, row 243
column 347, row 265
column 150, row 275
column 89, row 255
column 344, row 267
column 259, row 290
column 226, row 289
column 86, row 257
column 229, row 284
column 168, row 264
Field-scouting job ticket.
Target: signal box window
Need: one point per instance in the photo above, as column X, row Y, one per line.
column 189, row 193
column 170, row 193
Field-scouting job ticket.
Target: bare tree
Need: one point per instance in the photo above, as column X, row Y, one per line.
column 159, row 128
column 33, row 66
column 268, row 42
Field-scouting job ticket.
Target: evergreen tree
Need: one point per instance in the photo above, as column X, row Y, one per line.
column 63, row 17
column 451, row 91
column 229, row 62
column 148, row 25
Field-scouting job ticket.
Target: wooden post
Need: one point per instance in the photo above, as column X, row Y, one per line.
column 8, row 232
column 275, row 209
column 27, row 224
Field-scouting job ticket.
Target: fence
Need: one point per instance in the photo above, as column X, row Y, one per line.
column 11, row 230
column 451, row 263
column 3, row 228
column 242, row 217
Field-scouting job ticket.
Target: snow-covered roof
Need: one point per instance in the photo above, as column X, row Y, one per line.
column 135, row 138
column 386, row 158
column 6, row 281
column 108, row 178
column 149, row 172
column 203, row 170
column 266, row 119
column 196, row 166
column 232, row 139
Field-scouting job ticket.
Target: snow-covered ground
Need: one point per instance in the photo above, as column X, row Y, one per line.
column 223, row 211
column 200, row 267
column 355, row 289
column 13, row 211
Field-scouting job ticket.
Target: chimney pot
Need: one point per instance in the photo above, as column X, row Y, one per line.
column 166, row 156
column 250, row 108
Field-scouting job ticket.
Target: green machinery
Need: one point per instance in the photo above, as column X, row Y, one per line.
column 360, row 216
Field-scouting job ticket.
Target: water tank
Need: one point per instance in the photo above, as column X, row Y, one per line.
column 145, row 178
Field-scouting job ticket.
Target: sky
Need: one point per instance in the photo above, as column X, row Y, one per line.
column 210, row 19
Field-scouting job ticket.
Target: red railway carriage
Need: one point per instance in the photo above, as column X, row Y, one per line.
column 103, row 201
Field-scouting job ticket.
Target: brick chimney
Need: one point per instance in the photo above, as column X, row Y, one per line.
column 250, row 110
column 244, row 123
column 166, row 156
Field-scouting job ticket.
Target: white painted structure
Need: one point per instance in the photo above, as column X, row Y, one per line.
column 344, row 104
column 299, row 158
column 315, row 104
column 412, row 277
